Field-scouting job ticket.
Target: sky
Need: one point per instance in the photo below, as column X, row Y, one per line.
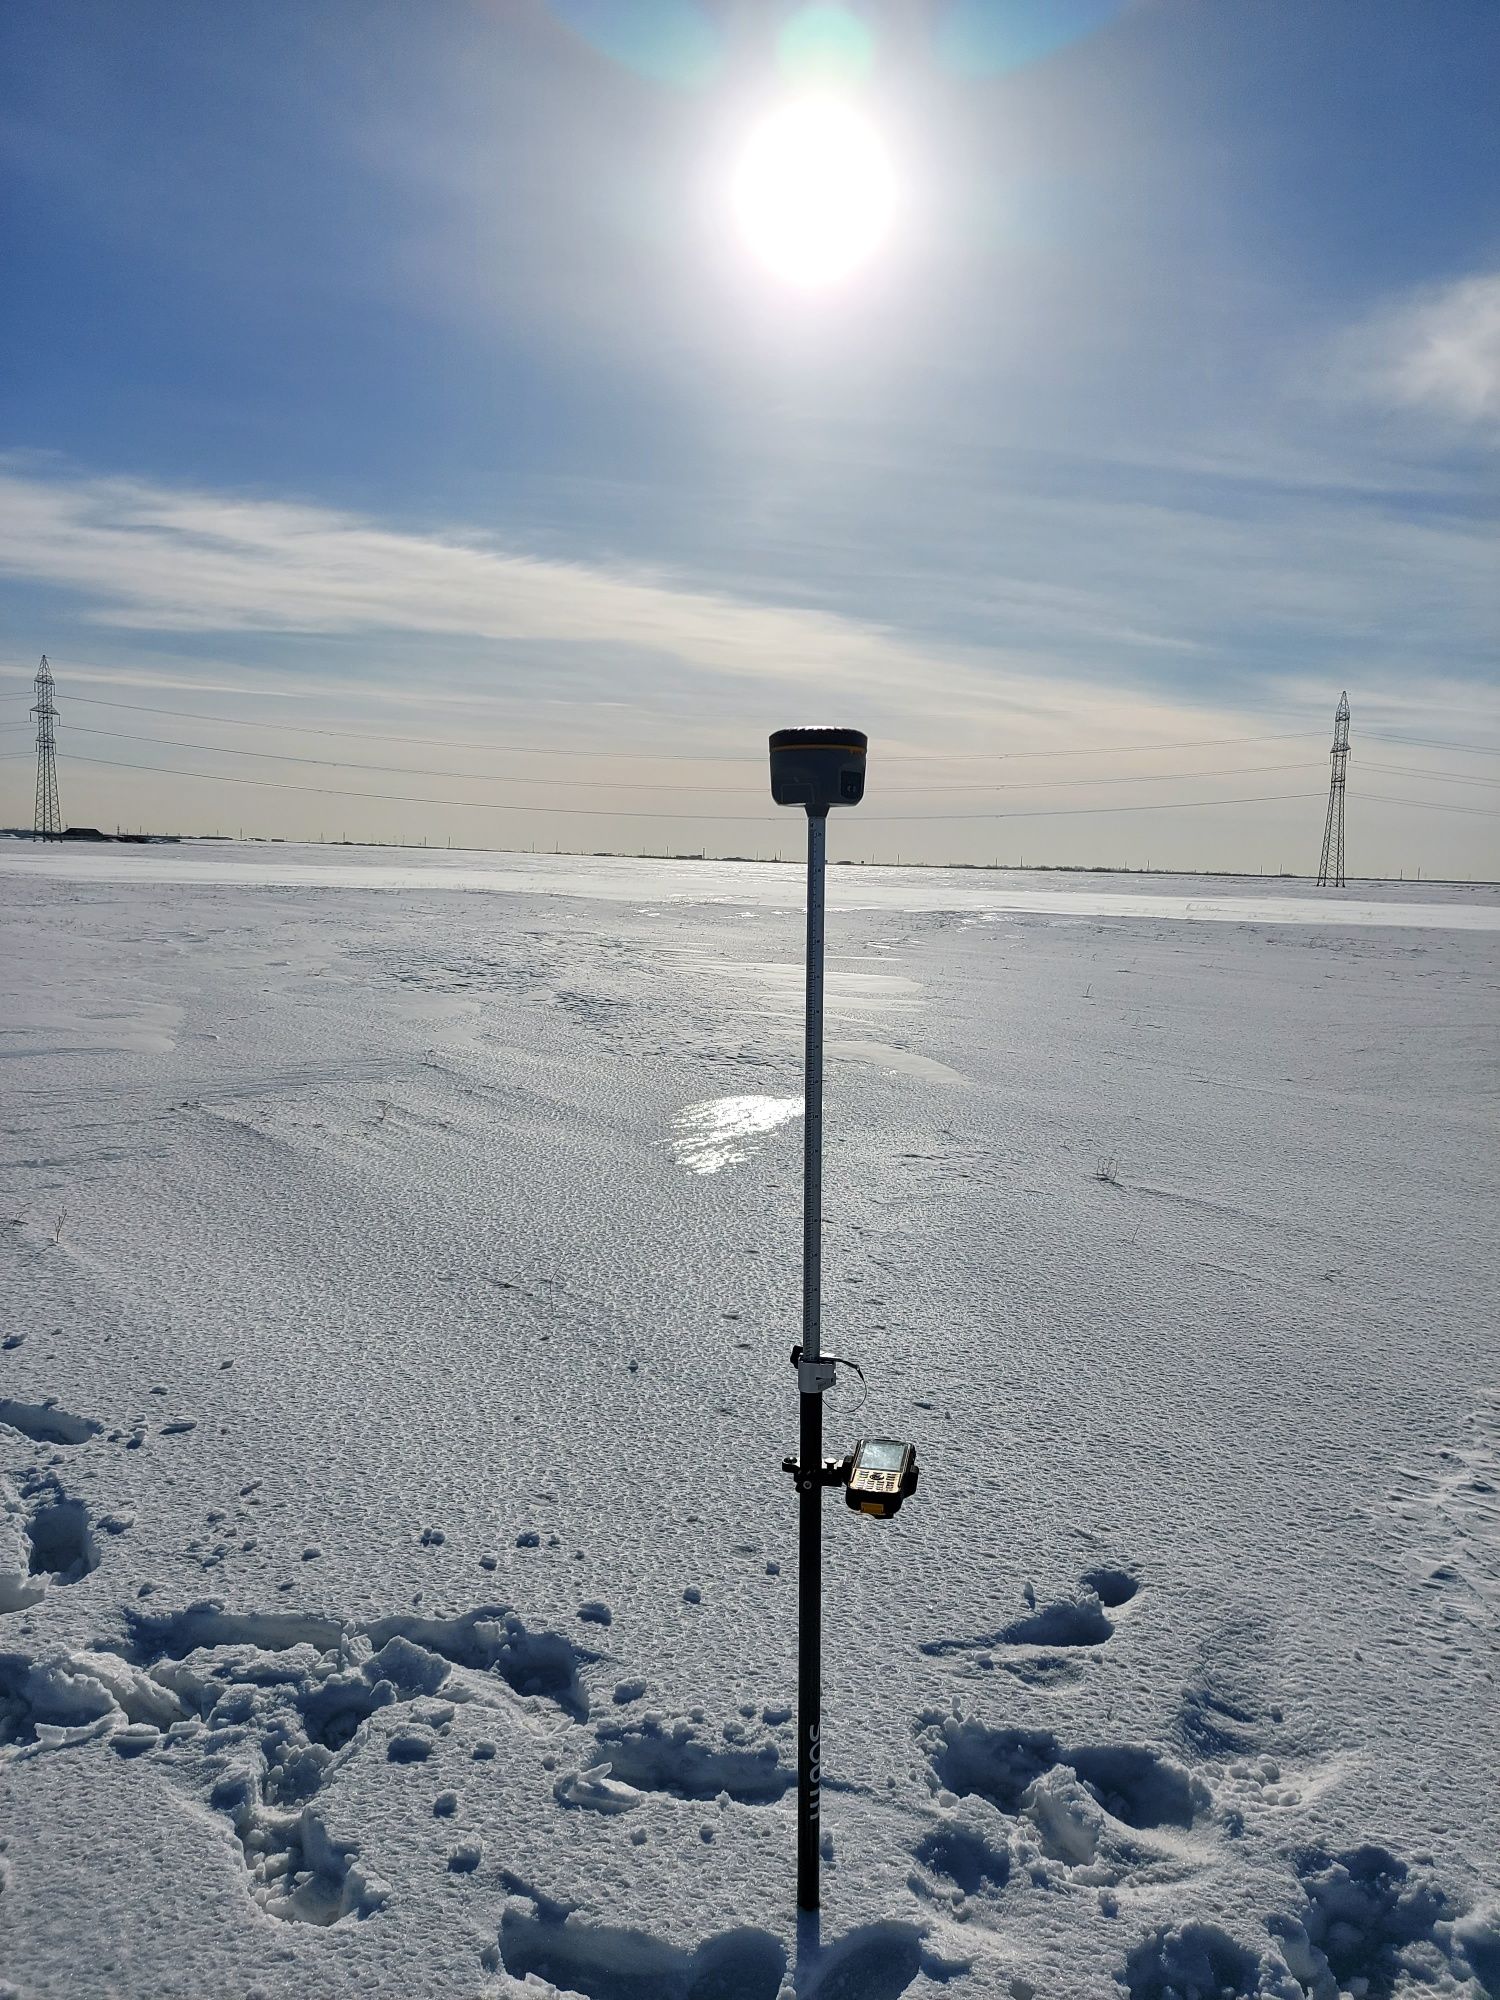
column 405, row 434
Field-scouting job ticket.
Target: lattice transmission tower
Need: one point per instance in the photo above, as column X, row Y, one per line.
column 1331, row 867
column 47, row 821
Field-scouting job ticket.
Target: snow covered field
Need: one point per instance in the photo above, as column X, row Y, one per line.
column 400, row 1269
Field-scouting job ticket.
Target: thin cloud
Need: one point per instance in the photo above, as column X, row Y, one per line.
column 1098, row 599
column 154, row 559
column 144, row 557
column 1438, row 352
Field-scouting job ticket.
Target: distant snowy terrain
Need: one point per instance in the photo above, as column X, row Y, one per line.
column 397, row 1579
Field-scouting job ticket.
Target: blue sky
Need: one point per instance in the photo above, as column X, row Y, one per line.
column 367, row 358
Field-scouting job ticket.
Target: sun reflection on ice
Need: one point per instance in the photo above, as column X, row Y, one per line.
column 717, row 1134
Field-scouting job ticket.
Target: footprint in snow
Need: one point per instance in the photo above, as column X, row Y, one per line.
column 1070, row 1622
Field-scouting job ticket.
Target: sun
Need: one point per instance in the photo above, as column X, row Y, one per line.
column 814, row 192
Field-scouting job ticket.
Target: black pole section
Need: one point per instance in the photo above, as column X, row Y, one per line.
column 810, row 1447
column 812, row 769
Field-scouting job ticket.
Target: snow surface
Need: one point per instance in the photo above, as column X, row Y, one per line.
column 397, row 1579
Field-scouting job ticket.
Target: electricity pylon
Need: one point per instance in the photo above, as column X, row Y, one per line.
column 1331, row 867
column 46, row 823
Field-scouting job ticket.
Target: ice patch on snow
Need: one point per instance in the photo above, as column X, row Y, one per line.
column 622, row 880
column 721, row 1132
column 882, row 1055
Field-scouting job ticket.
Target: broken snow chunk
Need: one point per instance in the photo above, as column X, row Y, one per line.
column 407, row 1666
column 135, row 1739
column 445, row 1805
column 433, row 1538
column 595, row 1790
column 61, row 1692
column 595, row 1613
column 410, row 1746
column 528, row 1539
column 465, row 1858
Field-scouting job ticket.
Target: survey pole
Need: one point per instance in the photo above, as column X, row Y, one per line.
column 813, row 769
column 810, row 1384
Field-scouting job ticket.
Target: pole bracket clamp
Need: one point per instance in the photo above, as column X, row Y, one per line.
column 834, row 1472
column 813, row 1377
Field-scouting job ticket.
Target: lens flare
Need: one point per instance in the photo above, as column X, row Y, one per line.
column 814, row 193
column 825, row 45
column 994, row 37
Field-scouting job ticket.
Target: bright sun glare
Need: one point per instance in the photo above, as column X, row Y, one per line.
column 814, row 192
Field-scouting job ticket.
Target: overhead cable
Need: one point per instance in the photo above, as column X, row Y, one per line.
column 613, row 784
column 609, row 812
column 648, row 756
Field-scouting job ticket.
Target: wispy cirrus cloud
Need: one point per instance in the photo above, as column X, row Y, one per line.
column 1437, row 352
column 1107, row 616
column 152, row 558
column 144, row 557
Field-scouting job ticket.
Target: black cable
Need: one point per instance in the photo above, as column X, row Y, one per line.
column 838, row 1361
column 611, row 812
column 1432, row 805
column 1432, row 743
column 1416, row 771
column 620, row 784
column 451, row 743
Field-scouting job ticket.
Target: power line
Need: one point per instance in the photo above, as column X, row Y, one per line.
column 1433, row 805
column 1432, row 743
column 610, row 812
column 371, row 736
column 1070, row 812
column 1418, row 771
column 650, row 756
column 351, row 764
column 428, row 771
column 1118, row 749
